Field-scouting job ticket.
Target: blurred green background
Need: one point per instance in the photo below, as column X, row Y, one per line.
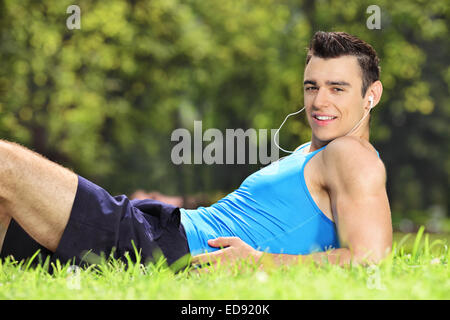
column 104, row 100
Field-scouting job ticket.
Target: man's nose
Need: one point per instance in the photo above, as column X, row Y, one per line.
column 321, row 98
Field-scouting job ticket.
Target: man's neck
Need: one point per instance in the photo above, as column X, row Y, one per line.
column 317, row 144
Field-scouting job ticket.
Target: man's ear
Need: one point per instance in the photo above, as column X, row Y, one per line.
column 375, row 91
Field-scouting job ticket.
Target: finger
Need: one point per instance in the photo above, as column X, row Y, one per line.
column 223, row 242
column 201, row 258
column 213, row 258
column 210, row 257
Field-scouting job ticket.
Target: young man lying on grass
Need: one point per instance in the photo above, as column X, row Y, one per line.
column 327, row 200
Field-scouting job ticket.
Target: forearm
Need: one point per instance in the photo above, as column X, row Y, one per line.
column 341, row 256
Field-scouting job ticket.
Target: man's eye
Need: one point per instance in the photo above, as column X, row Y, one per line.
column 310, row 88
column 338, row 89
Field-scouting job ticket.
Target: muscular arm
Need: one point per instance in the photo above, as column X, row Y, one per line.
column 357, row 188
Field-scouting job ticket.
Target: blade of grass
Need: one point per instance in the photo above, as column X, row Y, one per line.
column 427, row 246
column 417, row 242
column 401, row 243
column 30, row 261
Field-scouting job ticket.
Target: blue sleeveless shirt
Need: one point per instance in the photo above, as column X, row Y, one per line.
column 272, row 211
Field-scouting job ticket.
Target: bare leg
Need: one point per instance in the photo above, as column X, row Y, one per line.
column 4, row 223
column 36, row 192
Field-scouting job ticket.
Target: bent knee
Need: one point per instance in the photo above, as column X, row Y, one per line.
column 17, row 167
column 4, row 224
column 8, row 168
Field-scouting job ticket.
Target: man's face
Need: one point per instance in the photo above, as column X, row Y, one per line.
column 332, row 94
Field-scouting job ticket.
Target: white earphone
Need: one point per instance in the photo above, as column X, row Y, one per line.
column 291, row 114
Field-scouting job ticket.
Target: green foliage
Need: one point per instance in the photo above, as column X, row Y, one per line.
column 103, row 100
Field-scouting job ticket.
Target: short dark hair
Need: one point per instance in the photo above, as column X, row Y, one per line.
column 335, row 44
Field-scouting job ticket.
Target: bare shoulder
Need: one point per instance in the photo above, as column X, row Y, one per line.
column 352, row 159
column 351, row 147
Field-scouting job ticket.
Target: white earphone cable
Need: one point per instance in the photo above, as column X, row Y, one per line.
column 294, row 113
column 276, row 133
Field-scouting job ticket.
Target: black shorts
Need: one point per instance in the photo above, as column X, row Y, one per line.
column 103, row 225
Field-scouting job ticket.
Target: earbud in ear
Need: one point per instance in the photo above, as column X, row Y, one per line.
column 371, row 101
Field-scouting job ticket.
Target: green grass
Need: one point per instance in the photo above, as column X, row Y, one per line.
column 417, row 269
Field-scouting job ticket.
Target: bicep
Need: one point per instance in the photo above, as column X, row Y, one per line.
column 364, row 224
column 361, row 209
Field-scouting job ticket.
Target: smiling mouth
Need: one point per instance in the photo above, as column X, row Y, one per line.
column 324, row 118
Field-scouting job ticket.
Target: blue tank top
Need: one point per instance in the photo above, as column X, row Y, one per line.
column 272, row 211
